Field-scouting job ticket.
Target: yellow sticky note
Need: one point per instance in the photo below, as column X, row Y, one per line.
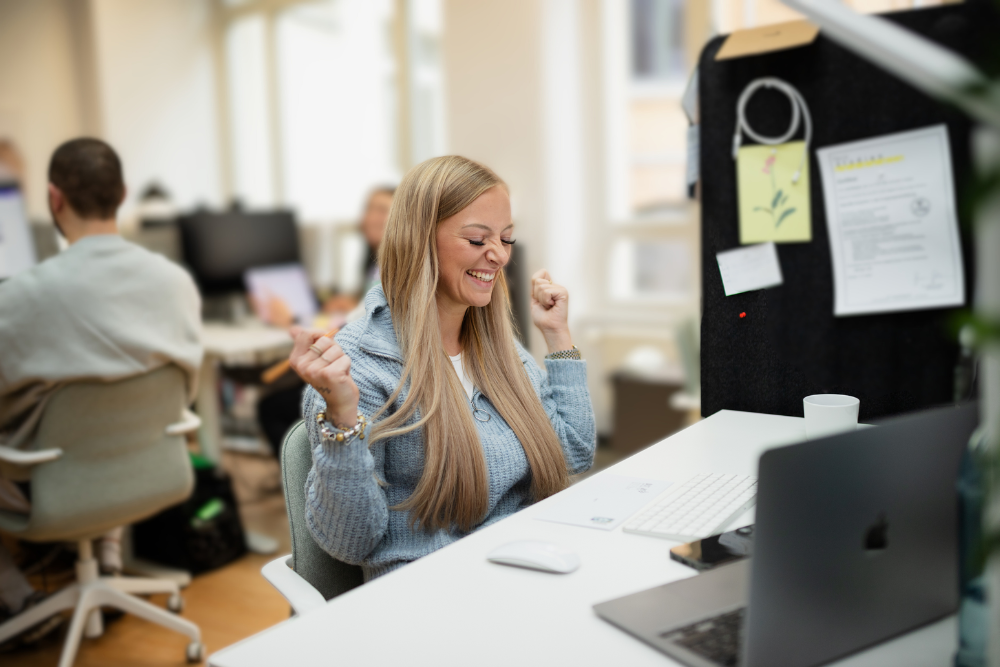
column 772, row 207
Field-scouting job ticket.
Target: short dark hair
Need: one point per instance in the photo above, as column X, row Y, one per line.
column 89, row 174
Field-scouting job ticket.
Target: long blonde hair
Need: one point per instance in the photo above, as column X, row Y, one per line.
column 454, row 486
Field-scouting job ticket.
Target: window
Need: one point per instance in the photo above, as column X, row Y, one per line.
column 250, row 120
column 653, row 224
column 336, row 105
column 325, row 100
column 311, row 108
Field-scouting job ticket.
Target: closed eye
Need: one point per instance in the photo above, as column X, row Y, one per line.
column 477, row 242
column 508, row 241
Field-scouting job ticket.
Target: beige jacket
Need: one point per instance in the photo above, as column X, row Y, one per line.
column 103, row 308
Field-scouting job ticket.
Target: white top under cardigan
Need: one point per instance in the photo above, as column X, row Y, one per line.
column 456, row 361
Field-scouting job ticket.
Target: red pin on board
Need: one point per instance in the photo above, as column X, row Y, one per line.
column 742, row 315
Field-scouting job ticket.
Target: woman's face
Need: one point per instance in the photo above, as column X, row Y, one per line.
column 376, row 215
column 473, row 245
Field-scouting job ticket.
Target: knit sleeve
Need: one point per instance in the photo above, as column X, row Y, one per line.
column 562, row 388
column 346, row 509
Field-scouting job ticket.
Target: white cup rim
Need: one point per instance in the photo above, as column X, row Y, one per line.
column 831, row 400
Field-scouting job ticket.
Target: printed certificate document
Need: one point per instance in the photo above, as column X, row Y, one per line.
column 890, row 213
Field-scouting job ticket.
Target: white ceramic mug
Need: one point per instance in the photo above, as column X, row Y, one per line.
column 827, row 414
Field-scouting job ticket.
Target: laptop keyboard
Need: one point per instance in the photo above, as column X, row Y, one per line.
column 716, row 639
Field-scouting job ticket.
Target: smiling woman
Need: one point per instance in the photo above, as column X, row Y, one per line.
column 439, row 461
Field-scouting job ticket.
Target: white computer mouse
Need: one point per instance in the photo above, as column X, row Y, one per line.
column 536, row 556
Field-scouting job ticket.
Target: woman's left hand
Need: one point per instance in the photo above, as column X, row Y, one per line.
column 550, row 311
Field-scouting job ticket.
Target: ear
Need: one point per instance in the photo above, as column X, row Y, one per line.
column 57, row 201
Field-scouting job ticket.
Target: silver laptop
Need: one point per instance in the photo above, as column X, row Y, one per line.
column 855, row 542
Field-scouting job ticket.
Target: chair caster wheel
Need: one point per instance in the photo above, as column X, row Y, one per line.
column 195, row 652
column 175, row 603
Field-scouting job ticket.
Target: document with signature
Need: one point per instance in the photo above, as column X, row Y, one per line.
column 890, row 214
column 602, row 502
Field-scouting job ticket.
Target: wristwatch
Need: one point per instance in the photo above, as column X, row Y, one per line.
column 572, row 353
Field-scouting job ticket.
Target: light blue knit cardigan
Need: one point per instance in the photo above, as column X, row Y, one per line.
column 349, row 514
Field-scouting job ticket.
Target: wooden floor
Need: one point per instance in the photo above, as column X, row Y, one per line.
column 228, row 604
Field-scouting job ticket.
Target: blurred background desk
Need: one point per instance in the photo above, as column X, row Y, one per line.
column 250, row 345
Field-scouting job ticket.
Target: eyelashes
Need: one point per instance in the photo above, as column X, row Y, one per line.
column 482, row 243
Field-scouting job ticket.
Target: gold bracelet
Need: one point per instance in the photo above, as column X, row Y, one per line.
column 572, row 353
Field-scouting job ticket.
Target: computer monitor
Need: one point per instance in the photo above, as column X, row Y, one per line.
column 17, row 249
column 219, row 248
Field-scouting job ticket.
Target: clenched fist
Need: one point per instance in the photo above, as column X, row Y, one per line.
column 324, row 366
column 550, row 311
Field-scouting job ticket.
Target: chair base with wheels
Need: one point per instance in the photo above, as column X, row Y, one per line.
column 107, row 454
column 90, row 592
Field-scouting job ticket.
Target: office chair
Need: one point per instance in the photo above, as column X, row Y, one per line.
column 309, row 576
column 113, row 455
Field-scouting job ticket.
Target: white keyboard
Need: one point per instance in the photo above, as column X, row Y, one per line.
column 701, row 506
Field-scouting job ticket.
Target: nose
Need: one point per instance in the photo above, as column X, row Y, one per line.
column 497, row 253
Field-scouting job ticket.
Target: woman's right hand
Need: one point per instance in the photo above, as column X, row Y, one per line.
column 328, row 371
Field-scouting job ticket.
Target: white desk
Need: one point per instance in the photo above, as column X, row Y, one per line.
column 454, row 608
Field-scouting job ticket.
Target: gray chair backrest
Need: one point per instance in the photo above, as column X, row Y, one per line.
column 325, row 573
column 118, row 465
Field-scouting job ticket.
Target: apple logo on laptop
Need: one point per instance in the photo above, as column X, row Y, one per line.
column 877, row 535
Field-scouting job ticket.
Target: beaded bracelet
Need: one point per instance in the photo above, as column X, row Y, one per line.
column 572, row 353
column 332, row 432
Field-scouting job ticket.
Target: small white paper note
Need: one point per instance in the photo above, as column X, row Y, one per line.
column 749, row 268
column 890, row 213
column 602, row 502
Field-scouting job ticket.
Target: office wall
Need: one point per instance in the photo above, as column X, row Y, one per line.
column 493, row 101
column 40, row 101
column 514, row 74
column 137, row 74
column 157, row 95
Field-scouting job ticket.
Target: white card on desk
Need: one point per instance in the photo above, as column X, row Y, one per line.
column 749, row 268
column 602, row 502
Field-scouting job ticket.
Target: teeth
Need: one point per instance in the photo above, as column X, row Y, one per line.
column 485, row 277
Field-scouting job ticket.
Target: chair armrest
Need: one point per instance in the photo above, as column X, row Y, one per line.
column 189, row 422
column 299, row 592
column 28, row 458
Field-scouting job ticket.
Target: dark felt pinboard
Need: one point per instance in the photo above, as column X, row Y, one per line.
column 789, row 345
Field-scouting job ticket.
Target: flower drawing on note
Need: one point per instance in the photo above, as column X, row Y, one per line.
column 773, row 193
column 778, row 200
column 769, row 162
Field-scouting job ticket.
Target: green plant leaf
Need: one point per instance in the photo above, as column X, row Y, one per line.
column 783, row 216
column 777, row 198
column 761, row 208
column 783, row 200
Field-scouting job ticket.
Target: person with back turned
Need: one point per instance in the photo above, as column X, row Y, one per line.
column 103, row 308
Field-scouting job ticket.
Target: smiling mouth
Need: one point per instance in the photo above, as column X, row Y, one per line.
column 479, row 275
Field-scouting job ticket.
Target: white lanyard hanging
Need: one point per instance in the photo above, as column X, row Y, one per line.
column 797, row 103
